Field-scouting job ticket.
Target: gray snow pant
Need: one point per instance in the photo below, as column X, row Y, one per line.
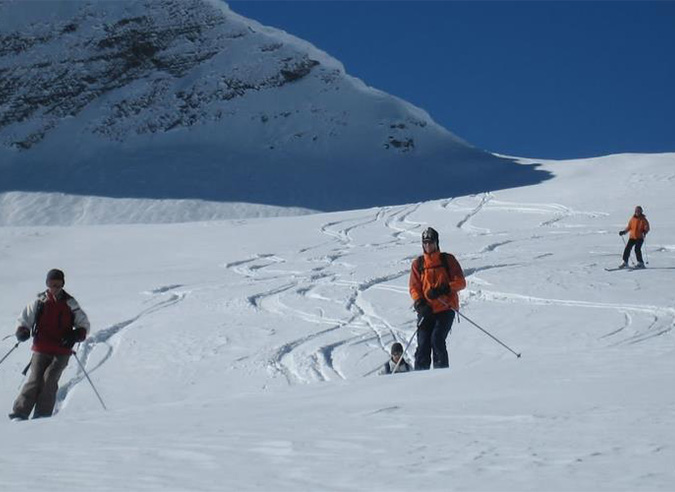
column 42, row 385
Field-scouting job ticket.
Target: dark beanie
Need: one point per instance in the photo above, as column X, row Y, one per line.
column 396, row 348
column 55, row 274
column 430, row 234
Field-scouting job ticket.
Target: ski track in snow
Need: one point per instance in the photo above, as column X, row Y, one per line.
column 487, row 201
column 316, row 356
column 322, row 355
column 485, row 198
column 100, row 340
column 663, row 318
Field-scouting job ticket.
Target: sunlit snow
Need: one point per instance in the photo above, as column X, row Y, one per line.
column 239, row 355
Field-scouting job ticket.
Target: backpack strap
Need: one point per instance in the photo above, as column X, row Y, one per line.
column 38, row 312
column 39, row 307
column 444, row 261
column 420, row 264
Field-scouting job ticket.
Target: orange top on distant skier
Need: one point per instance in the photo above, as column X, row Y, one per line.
column 638, row 225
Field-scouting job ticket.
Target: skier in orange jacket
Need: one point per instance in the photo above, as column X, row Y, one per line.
column 638, row 227
column 435, row 279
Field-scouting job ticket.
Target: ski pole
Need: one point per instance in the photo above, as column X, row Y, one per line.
column 624, row 246
column 8, row 336
column 10, row 351
column 490, row 335
column 646, row 257
column 88, row 379
column 481, row 329
column 405, row 350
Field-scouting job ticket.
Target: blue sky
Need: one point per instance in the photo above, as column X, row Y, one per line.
column 532, row 79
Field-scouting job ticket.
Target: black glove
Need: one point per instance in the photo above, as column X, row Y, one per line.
column 22, row 333
column 74, row 336
column 436, row 292
column 423, row 309
column 621, row 233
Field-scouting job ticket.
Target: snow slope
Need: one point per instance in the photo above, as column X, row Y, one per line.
column 238, row 355
column 132, row 101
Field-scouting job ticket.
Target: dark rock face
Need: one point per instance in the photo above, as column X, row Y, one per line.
column 175, row 99
column 58, row 70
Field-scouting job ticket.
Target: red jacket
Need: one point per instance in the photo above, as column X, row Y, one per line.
column 434, row 274
column 53, row 318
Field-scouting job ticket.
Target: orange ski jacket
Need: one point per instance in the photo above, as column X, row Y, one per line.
column 638, row 227
column 434, row 274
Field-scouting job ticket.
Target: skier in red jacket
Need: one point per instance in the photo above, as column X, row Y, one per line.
column 56, row 322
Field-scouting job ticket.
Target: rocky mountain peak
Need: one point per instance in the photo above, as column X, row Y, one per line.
column 185, row 99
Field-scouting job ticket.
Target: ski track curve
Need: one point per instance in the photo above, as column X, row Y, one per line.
column 662, row 323
column 397, row 221
column 558, row 211
column 316, row 356
column 484, row 199
column 100, row 339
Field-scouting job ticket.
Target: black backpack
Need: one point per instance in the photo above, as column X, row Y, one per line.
column 387, row 368
column 42, row 298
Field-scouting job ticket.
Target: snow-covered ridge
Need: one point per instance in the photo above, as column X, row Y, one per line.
column 184, row 99
column 58, row 209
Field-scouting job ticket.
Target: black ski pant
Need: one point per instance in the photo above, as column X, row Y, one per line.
column 433, row 331
column 638, row 249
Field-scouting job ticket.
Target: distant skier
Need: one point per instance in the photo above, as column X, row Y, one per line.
column 435, row 279
column 638, row 227
column 396, row 356
column 56, row 322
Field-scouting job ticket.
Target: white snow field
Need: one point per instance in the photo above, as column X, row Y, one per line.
column 240, row 355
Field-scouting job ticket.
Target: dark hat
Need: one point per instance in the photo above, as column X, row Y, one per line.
column 396, row 348
column 56, row 274
column 430, row 235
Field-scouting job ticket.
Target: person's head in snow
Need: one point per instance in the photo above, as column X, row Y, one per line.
column 430, row 240
column 56, row 322
column 435, row 279
column 56, row 280
column 396, row 352
column 396, row 362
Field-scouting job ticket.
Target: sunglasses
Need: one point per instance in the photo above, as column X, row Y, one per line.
column 428, row 242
